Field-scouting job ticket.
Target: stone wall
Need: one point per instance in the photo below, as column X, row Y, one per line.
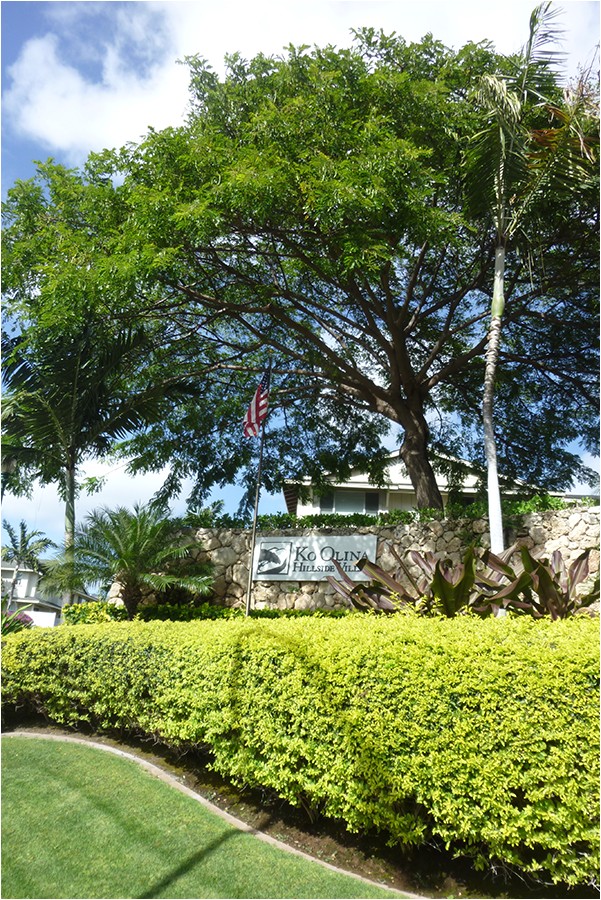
column 570, row 530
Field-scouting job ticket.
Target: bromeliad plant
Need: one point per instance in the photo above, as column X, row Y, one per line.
column 545, row 587
column 442, row 589
column 15, row 621
column 484, row 585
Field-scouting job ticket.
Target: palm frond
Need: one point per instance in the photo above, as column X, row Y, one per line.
column 544, row 37
column 132, row 547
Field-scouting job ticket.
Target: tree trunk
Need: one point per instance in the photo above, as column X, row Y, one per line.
column 13, row 585
column 132, row 597
column 495, row 517
column 414, row 453
column 69, row 519
column 69, row 506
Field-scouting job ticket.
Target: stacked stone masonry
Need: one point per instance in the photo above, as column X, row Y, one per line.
column 571, row 531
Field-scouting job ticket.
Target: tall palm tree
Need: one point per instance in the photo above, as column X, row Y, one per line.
column 135, row 549
column 70, row 396
column 23, row 551
column 531, row 142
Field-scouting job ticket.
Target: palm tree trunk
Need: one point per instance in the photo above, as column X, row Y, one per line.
column 131, row 594
column 13, row 585
column 69, row 505
column 69, row 519
column 495, row 517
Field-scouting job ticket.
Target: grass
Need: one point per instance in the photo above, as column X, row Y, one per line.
column 80, row 822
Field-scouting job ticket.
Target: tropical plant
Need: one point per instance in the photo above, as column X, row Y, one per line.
column 542, row 587
column 23, row 551
column 443, row 588
column 15, row 621
column 138, row 550
column 484, row 584
column 531, row 144
column 70, row 394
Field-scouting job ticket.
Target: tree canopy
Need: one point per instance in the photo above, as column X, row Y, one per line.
column 316, row 205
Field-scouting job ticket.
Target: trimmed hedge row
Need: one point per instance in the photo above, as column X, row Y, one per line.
column 94, row 612
column 483, row 734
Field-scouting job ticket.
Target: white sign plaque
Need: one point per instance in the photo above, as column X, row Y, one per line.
column 310, row 558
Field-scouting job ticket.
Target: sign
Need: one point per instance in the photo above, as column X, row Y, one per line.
column 311, row 558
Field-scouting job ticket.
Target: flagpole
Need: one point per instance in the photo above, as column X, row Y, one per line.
column 254, row 528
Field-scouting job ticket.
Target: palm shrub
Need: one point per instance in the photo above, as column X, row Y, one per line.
column 138, row 549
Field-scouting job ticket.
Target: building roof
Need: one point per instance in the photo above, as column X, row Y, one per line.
column 398, row 477
column 397, row 480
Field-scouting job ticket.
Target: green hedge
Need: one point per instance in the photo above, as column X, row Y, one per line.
column 481, row 734
column 476, row 509
column 94, row 612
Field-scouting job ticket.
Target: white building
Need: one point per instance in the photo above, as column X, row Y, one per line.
column 359, row 495
column 45, row 611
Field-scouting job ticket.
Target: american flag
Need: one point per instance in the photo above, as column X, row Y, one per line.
column 257, row 411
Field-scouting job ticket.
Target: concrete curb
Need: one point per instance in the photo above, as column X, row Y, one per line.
column 231, row 820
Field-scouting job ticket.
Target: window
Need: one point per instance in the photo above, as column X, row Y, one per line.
column 372, row 502
column 348, row 502
column 326, row 503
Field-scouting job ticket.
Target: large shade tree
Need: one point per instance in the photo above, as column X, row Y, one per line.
column 313, row 204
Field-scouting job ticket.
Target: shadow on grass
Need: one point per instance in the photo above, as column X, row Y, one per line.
column 185, row 867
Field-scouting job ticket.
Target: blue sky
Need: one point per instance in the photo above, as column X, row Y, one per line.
column 82, row 76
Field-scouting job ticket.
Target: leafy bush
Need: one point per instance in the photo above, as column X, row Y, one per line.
column 93, row 612
column 177, row 613
column 15, row 621
column 299, row 613
column 212, row 517
column 96, row 612
column 480, row 734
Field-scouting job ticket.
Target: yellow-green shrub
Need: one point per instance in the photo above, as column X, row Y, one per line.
column 481, row 733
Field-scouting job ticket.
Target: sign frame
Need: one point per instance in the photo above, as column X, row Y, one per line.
column 310, row 557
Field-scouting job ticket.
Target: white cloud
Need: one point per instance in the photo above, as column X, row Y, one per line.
column 104, row 73
column 45, row 511
column 52, row 102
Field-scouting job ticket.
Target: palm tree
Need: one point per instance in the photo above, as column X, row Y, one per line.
column 23, row 552
column 69, row 397
column 510, row 163
column 135, row 549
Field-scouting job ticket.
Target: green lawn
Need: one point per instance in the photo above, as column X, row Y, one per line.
column 81, row 822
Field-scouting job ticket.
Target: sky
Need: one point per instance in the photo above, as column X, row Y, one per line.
column 83, row 76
